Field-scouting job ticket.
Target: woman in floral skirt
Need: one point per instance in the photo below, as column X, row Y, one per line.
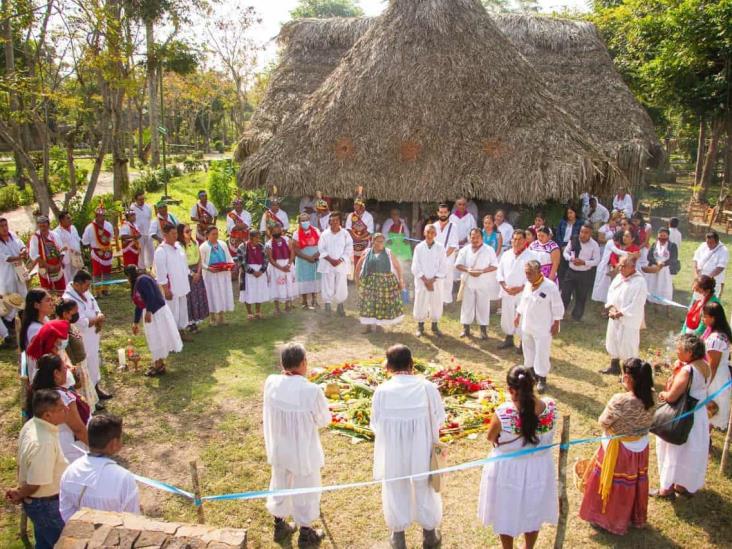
column 379, row 282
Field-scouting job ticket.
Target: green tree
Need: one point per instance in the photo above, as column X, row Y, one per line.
column 497, row 5
column 327, row 8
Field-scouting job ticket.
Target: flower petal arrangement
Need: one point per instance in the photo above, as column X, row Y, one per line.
column 349, row 387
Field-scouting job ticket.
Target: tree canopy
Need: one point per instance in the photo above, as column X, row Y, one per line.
column 327, row 8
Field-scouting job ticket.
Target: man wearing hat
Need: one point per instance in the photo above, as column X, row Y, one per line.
column 203, row 214
column 143, row 219
column 162, row 218
column 45, row 249
column 360, row 225
column 130, row 235
column 274, row 215
column 99, row 235
column 322, row 215
column 238, row 223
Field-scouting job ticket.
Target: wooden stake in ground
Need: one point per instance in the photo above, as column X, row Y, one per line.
column 725, row 449
column 197, row 491
column 563, row 499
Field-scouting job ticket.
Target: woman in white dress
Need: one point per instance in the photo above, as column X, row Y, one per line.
column 519, row 495
column 216, row 265
column 253, row 284
column 662, row 257
column 605, row 271
column 282, row 283
column 717, row 338
column 38, row 306
column 682, row 467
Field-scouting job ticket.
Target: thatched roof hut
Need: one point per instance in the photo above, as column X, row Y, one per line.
column 428, row 101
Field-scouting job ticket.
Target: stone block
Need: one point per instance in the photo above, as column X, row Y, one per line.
column 231, row 537
column 71, row 543
column 148, row 540
column 78, row 529
column 127, row 538
column 193, row 531
column 184, row 543
column 99, row 538
column 102, row 518
column 138, row 522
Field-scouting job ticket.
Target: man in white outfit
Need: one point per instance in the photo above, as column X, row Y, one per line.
column 511, row 276
column 463, row 221
column 711, row 259
column 294, row 410
column 143, row 217
column 12, row 253
column 475, row 261
column 95, row 481
column 505, row 228
column 538, row 315
column 626, row 301
column 623, row 202
column 70, row 245
column 171, row 271
column 406, row 416
column 448, row 235
column 429, row 267
column 336, row 249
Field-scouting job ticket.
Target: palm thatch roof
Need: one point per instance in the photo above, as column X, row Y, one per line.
column 428, row 101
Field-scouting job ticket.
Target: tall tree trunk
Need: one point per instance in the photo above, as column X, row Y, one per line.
column 728, row 153
column 97, row 167
column 700, row 150
column 73, row 187
column 152, row 87
column 710, row 160
column 9, row 51
column 140, row 135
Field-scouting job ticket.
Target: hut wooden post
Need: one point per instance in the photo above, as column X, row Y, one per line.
column 563, row 499
column 415, row 220
column 197, row 492
column 725, row 448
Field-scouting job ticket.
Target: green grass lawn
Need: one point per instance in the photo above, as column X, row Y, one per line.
column 208, row 409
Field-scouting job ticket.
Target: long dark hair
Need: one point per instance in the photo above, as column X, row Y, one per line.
column 47, row 366
column 716, row 311
column 520, row 379
column 30, row 314
column 132, row 272
column 642, row 375
column 181, row 227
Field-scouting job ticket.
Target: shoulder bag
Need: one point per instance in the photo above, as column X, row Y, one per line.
column 438, row 453
column 665, row 423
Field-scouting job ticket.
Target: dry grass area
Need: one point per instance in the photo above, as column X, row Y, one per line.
column 208, row 409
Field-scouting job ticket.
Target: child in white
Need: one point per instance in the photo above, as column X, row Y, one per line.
column 294, row 410
column 406, row 416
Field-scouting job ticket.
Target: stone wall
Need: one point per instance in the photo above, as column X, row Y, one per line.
column 90, row 529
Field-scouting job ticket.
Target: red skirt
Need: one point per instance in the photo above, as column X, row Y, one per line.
column 628, row 503
column 130, row 258
column 48, row 284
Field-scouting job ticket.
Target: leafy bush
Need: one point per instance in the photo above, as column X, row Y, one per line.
column 148, row 181
column 10, row 198
column 108, row 164
column 221, row 183
column 198, row 155
column 219, row 146
column 191, row 165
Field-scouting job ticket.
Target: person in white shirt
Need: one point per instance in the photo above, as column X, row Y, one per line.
column 538, row 315
column 143, row 215
column 360, row 224
column 511, row 276
column 674, row 234
column 307, row 206
column 476, row 261
column 711, row 259
column 335, row 247
column 395, row 219
column 238, row 224
column 597, row 214
column 294, row 410
column 429, row 267
column 464, row 222
column 171, row 272
column 90, row 324
column 203, row 214
column 70, row 245
column 505, row 228
column 274, row 215
column 472, row 208
column 582, row 255
column 447, row 234
column 322, row 215
column 623, row 202
column 215, row 268
column 406, row 416
column 12, row 255
column 99, row 236
column 95, row 481
column 45, row 249
column 162, row 218
column 626, row 301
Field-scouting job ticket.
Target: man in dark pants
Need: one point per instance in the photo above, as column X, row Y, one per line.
column 582, row 255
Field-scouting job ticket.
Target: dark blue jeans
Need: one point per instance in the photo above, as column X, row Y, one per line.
column 47, row 521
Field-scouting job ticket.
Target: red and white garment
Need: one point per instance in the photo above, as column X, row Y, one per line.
column 99, row 238
column 131, row 250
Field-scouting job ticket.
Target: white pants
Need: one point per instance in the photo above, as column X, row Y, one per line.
column 427, row 304
column 445, row 285
column 536, row 352
column 179, row 307
column 408, row 501
column 622, row 341
column 305, row 508
column 508, row 314
column 334, row 287
column 146, row 252
column 3, row 330
column 476, row 306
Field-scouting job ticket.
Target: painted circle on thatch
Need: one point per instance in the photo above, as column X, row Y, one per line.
column 493, row 147
column 344, row 148
column 409, row 151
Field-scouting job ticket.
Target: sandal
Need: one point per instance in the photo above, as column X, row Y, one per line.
column 250, row 316
column 656, row 493
column 151, row 372
column 258, row 316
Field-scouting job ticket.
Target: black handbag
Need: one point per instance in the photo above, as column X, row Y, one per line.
column 665, row 423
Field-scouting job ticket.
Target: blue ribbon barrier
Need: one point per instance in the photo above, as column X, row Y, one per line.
column 261, row 494
column 111, row 282
column 663, row 301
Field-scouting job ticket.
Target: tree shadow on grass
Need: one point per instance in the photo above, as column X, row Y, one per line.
column 585, row 405
column 570, row 372
column 644, row 537
column 707, row 510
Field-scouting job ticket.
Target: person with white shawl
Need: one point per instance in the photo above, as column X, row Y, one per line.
column 406, row 416
column 511, row 276
column 477, row 264
column 294, row 410
column 626, row 301
column 94, row 480
column 216, row 265
column 335, row 247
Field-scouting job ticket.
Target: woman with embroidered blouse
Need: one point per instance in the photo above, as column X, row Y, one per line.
column 215, row 267
column 717, row 337
column 616, row 484
column 519, row 495
column 547, row 251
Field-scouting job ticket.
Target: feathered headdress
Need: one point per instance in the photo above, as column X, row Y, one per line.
column 359, row 200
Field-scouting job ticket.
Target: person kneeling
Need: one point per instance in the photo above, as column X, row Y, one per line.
column 294, row 410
